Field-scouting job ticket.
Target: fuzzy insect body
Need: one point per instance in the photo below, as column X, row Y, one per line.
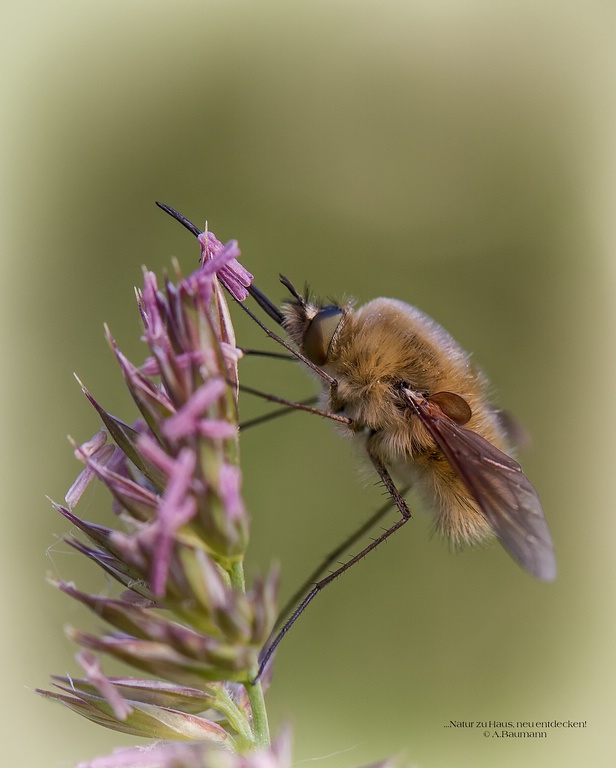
column 401, row 384
column 422, row 410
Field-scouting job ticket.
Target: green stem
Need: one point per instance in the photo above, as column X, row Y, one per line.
column 260, row 725
column 236, row 575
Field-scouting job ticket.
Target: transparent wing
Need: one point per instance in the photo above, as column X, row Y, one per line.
column 503, row 492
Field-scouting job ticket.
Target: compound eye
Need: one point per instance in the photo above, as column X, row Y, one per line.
column 320, row 333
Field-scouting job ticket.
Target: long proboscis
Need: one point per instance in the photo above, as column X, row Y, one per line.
column 266, row 305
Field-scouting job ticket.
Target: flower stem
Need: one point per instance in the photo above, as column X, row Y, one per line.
column 260, row 725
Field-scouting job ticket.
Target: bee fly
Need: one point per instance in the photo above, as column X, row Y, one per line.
column 400, row 384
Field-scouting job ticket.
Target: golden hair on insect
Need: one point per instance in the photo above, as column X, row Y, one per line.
column 422, row 410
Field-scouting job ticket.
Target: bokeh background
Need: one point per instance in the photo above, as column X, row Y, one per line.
column 457, row 155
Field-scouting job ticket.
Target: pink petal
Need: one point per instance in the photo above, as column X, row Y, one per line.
column 92, row 667
column 230, row 482
column 186, row 420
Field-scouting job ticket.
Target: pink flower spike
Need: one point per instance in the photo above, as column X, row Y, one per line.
column 183, row 361
column 160, row 755
column 92, row 667
column 150, row 310
column 91, row 446
column 230, row 353
column 186, row 420
column 131, row 496
column 222, row 260
column 230, row 481
column 176, row 509
column 221, row 256
column 150, row 367
column 152, row 451
column 140, row 386
column 216, row 429
column 236, row 280
column 168, row 754
column 186, row 360
column 210, row 245
column 100, row 456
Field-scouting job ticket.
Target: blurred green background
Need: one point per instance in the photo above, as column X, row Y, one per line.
column 457, row 155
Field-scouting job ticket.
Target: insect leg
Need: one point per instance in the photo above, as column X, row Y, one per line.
column 298, row 406
column 276, row 414
column 405, row 516
column 333, row 557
